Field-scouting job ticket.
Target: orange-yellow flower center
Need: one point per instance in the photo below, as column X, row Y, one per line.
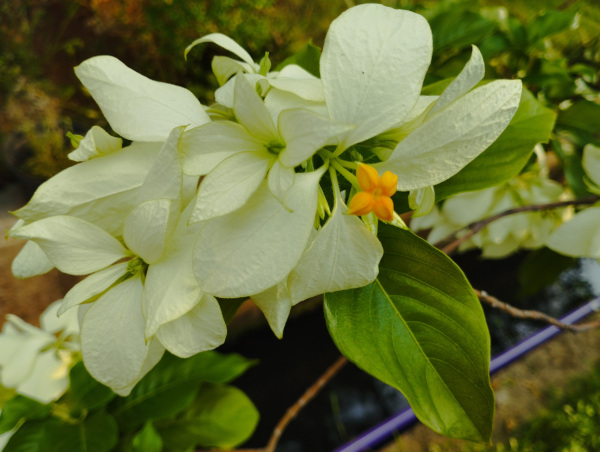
column 376, row 195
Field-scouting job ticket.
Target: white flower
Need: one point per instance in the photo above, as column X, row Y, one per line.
column 36, row 361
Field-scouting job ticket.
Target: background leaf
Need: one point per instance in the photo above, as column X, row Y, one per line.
column 98, row 432
column 148, row 440
column 307, row 58
column 172, row 385
column 19, row 408
column 85, row 392
column 27, row 439
column 222, row 416
column 420, row 328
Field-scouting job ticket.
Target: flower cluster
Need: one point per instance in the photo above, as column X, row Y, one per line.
column 260, row 195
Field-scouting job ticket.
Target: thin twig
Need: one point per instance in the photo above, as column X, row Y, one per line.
column 449, row 244
column 293, row 411
column 532, row 315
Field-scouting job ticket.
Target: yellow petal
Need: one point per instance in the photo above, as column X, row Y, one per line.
column 388, row 183
column 361, row 204
column 368, row 177
column 384, row 208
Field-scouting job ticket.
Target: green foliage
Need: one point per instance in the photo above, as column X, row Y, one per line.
column 540, row 269
column 181, row 401
column 420, row 328
column 307, row 58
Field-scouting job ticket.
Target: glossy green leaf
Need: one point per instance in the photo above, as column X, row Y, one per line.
column 19, row 408
column 222, row 416
column 97, row 433
column 420, row 328
column 148, row 440
column 172, row 385
column 85, row 392
column 307, row 58
column 505, row 158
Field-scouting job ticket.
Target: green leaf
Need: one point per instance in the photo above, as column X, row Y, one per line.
column 420, row 328
column 19, row 408
column 457, row 27
column 29, row 438
column 85, row 392
column 148, row 440
column 548, row 24
column 583, row 120
column 307, row 58
column 97, row 433
column 504, row 159
column 222, row 416
column 172, row 385
column 541, row 268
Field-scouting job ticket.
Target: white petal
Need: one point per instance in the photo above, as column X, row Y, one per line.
column 171, row 289
column 96, row 142
column 280, row 180
column 591, row 162
column 145, row 230
column 230, row 184
column 92, row 286
column 275, row 303
column 85, row 186
column 226, row 93
column 112, row 335
column 447, row 141
column 579, row 237
column 470, row 76
column 204, row 147
column 252, row 249
column 155, row 353
column 225, row 42
column 52, row 323
column 31, row 261
column 373, row 65
column 277, row 100
column 465, row 208
column 201, row 329
column 136, row 107
column 225, row 67
column 304, row 133
column 251, row 112
column 73, row 245
column 42, row 384
column 343, row 255
column 302, row 83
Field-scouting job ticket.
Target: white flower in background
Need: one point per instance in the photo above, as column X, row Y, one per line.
column 291, row 79
column 508, row 234
column 580, row 237
column 36, row 361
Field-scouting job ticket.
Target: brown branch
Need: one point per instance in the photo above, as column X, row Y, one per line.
column 532, row 315
column 449, row 244
column 293, row 411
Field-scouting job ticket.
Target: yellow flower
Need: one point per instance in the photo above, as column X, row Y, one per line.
column 376, row 194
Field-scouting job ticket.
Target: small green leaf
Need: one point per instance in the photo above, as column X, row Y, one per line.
column 96, row 433
column 29, row 438
column 19, row 408
column 222, row 416
column 148, row 440
column 307, row 58
column 420, row 328
column 85, row 392
column 541, row 268
column 172, row 385
column 504, row 159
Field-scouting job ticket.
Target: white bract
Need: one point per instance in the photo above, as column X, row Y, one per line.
column 36, row 361
column 580, row 237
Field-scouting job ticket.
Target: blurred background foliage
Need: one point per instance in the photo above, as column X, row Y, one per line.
column 553, row 46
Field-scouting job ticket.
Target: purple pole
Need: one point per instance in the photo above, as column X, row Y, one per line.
column 405, row 418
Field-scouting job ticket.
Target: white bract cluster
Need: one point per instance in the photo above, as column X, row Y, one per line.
column 580, row 237
column 506, row 235
column 250, row 197
column 36, row 361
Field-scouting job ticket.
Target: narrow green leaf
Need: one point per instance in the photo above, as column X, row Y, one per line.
column 96, row 433
column 85, row 392
column 420, row 328
column 504, row 159
column 148, row 440
column 222, row 416
column 19, row 408
column 307, row 58
column 172, row 385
